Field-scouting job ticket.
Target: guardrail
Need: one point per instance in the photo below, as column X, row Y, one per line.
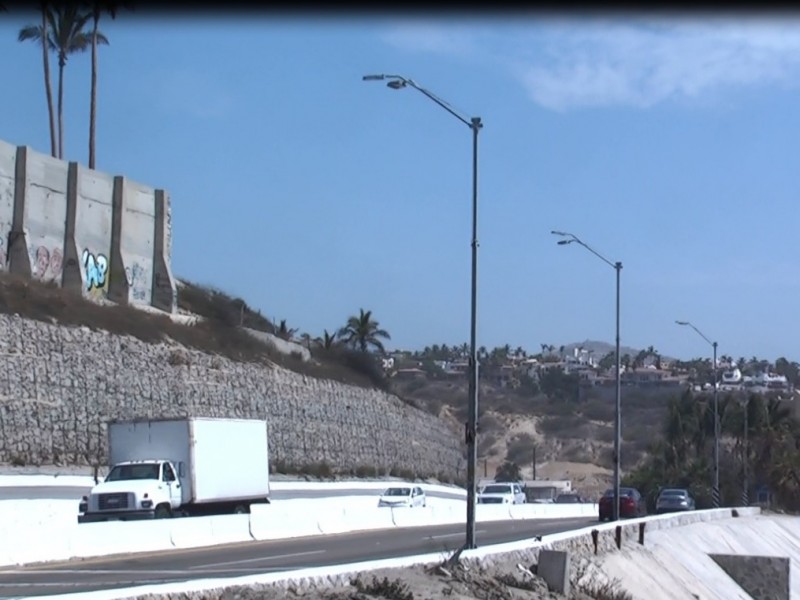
column 279, row 520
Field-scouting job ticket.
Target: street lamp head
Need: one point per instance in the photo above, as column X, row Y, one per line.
column 562, row 233
column 373, row 77
column 397, row 84
column 564, row 242
column 682, row 322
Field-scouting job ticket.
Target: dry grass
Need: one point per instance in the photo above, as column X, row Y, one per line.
column 218, row 333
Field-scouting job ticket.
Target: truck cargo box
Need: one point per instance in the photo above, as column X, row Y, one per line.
column 218, row 460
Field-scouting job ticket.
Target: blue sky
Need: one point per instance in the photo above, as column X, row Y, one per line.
column 670, row 145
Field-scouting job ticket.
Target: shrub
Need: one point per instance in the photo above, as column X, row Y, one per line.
column 178, row 358
column 383, row 588
column 364, row 471
column 565, row 426
column 520, row 448
column 319, row 469
column 599, row 410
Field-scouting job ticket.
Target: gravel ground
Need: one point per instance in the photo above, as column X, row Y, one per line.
column 504, row 581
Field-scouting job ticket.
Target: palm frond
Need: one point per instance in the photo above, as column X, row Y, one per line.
column 30, row 32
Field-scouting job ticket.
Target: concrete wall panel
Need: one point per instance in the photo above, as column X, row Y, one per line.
column 8, row 161
column 137, row 239
column 45, row 215
column 93, row 230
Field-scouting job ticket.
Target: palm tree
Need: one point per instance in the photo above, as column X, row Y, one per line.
column 284, row 332
column 98, row 7
column 42, row 35
column 306, row 339
column 327, row 341
column 67, row 22
column 362, row 332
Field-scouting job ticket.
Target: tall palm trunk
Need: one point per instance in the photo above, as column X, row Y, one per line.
column 93, row 101
column 47, row 87
column 62, row 61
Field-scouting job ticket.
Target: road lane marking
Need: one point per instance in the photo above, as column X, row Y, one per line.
column 259, row 559
column 449, row 535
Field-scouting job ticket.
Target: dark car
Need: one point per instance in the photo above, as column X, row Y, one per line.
column 568, row 499
column 631, row 504
column 674, row 500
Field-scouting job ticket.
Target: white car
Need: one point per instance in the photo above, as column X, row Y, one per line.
column 501, row 493
column 402, row 495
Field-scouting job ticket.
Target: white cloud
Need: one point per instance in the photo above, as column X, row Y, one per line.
column 632, row 62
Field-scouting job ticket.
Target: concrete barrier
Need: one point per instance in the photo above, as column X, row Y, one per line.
column 123, row 537
column 336, row 521
column 552, row 511
column 373, row 518
column 191, row 533
column 492, row 512
column 229, row 529
column 419, row 516
column 37, row 545
column 274, row 522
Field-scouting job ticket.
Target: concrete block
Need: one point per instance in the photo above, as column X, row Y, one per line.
column 554, row 568
column 763, row 577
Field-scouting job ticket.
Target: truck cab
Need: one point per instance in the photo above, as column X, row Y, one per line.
column 137, row 489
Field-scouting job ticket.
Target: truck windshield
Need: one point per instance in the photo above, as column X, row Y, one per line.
column 128, row 472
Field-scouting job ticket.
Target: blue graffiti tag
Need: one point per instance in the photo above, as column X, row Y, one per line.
column 95, row 268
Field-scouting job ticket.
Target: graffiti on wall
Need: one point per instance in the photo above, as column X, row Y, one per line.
column 48, row 263
column 137, row 281
column 95, row 270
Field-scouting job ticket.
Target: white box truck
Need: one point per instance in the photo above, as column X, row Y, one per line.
column 175, row 467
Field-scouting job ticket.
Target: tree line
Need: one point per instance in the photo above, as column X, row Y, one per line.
column 759, row 436
column 68, row 28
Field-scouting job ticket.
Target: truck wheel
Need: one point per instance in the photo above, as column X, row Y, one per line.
column 163, row 511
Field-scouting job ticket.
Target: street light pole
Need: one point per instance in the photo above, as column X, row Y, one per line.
column 715, row 497
column 617, row 266
column 397, row 82
column 746, row 455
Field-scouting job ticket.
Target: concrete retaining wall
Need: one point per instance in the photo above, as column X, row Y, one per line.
column 102, row 235
column 60, row 385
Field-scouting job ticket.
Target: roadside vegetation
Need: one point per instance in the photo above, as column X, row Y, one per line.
column 683, row 455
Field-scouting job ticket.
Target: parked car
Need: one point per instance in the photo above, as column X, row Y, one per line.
column 568, row 499
column 501, row 493
column 674, row 500
column 403, row 495
column 631, row 504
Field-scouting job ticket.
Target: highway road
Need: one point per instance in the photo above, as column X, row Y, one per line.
column 55, row 492
column 237, row 560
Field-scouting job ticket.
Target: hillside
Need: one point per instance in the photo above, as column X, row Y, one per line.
column 572, row 438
